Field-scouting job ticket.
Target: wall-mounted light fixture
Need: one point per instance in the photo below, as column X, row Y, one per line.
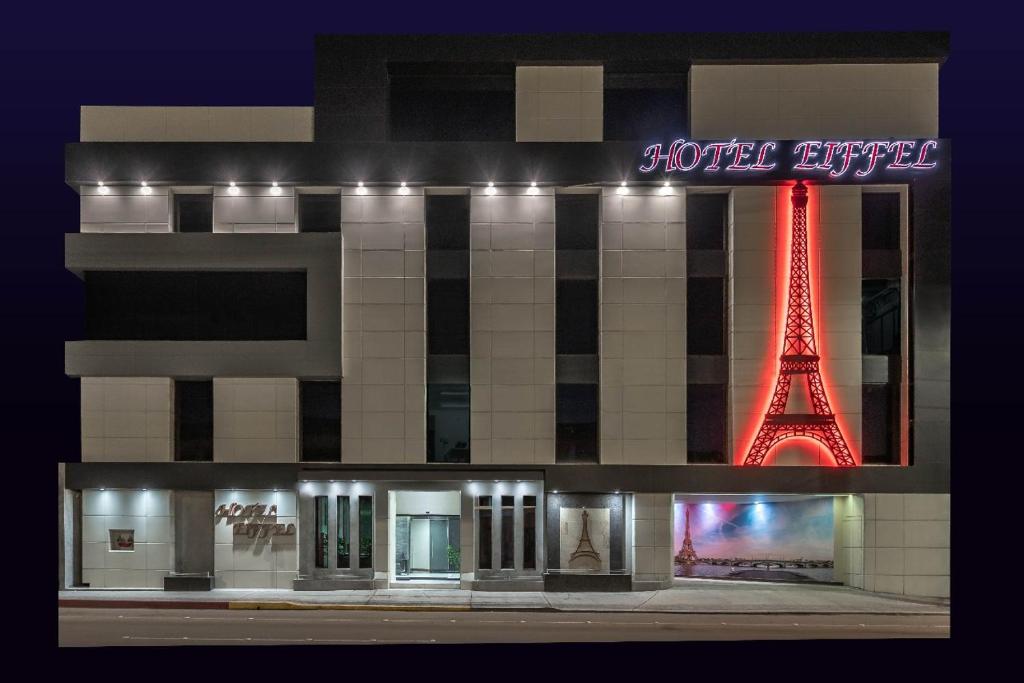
column 533, row 191
column 403, row 189
column 275, row 189
column 146, row 189
column 665, row 189
column 103, row 189
column 491, row 190
column 360, row 188
column 622, row 189
column 232, row 189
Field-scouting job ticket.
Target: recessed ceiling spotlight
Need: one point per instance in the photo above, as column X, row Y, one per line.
column 360, row 188
column 103, row 189
column 491, row 190
column 533, row 191
column 403, row 189
column 622, row 189
column 275, row 189
column 146, row 189
column 665, row 189
column 232, row 189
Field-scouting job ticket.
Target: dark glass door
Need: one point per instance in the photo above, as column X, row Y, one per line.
column 438, row 544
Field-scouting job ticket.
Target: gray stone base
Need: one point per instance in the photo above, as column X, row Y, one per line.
column 188, row 582
column 652, row 585
column 526, row 583
column 337, row 584
column 579, row 583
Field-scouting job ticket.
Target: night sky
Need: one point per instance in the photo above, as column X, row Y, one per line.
column 57, row 58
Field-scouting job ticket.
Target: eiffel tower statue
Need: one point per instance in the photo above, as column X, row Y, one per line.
column 799, row 358
column 585, row 549
column 687, row 556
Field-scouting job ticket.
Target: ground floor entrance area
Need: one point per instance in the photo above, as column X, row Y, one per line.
column 426, row 533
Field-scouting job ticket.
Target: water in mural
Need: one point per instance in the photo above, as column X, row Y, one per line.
column 768, row 541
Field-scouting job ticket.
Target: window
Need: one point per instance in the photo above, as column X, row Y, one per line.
column 193, row 212
column 637, row 103
column 344, row 532
column 705, row 316
column 448, row 423
column 483, row 530
column 365, row 532
column 448, row 316
column 881, row 423
column 706, row 217
column 705, row 423
column 322, row 530
column 880, row 302
column 193, row 420
column 319, row 212
column 576, row 423
column 508, row 532
column 576, row 316
column 529, row 532
column 446, row 101
column 320, row 407
column 576, row 221
column 880, row 220
column 195, row 305
column 447, row 221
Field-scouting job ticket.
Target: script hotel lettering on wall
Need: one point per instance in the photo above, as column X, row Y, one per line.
column 825, row 158
column 237, row 515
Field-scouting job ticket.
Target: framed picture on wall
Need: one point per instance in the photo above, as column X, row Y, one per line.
column 122, row 539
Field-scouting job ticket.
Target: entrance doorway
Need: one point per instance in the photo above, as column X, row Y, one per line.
column 426, row 534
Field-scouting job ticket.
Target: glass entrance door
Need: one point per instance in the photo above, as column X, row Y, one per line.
column 427, row 547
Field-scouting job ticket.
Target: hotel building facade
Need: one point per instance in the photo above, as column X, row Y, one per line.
column 521, row 312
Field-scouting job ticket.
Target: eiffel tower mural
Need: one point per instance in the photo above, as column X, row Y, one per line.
column 585, row 556
column 799, row 359
column 687, row 556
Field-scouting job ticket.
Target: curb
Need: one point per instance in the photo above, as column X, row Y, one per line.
column 298, row 606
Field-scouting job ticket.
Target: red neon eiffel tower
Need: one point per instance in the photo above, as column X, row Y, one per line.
column 799, row 357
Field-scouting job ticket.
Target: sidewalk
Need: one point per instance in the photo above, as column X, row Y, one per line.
column 693, row 596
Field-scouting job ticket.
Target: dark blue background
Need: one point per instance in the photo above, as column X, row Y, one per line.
column 56, row 58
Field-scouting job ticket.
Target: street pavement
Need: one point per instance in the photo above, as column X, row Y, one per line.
column 161, row 627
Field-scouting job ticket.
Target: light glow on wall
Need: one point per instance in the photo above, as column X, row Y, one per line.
column 275, row 189
column 232, row 189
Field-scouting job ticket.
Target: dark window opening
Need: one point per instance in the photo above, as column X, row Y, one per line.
column 447, row 317
column 706, row 219
column 448, row 423
column 880, row 220
column 320, row 406
column 323, row 536
column 880, row 319
column 635, row 113
column 529, row 532
column 193, row 420
column 344, row 533
column 365, row 532
column 576, row 316
column 483, row 527
column 319, row 213
column 705, row 423
column 881, row 423
column 193, row 212
column 576, row 221
column 576, row 436
column 457, row 102
column 705, row 316
column 195, row 305
column 447, row 221
column 508, row 532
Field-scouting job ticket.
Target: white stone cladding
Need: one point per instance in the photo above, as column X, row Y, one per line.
column 240, row 561
column 125, row 208
column 795, row 101
column 559, row 103
column 758, row 281
column 255, row 419
column 652, row 537
column 383, row 389
column 149, row 515
column 512, row 318
column 127, row 419
column 196, row 124
column 643, row 328
column 256, row 208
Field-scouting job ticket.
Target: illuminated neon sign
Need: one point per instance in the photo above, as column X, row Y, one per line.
column 825, row 158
